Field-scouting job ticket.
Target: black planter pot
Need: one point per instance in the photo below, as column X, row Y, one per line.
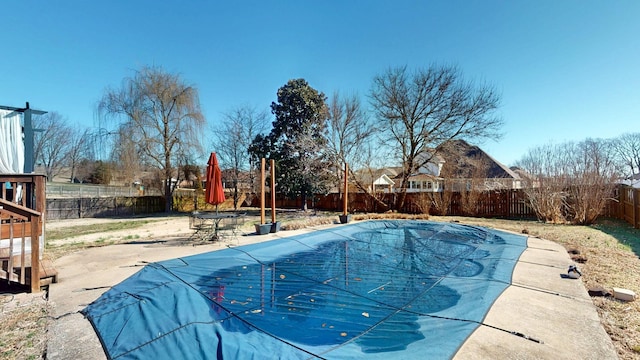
column 345, row 219
column 263, row 229
column 275, row 227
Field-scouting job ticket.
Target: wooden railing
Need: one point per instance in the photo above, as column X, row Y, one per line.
column 22, row 208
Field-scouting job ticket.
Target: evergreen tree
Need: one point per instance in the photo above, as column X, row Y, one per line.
column 297, row 140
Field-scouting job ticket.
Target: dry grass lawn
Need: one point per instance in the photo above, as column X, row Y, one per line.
column 606, row 253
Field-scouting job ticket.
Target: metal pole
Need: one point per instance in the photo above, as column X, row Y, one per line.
column 28, row 141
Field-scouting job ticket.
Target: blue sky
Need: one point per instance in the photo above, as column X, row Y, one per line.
column 567, row 70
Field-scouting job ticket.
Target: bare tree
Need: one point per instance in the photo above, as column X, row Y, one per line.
column 85, row 169
column 627, row 149
column 350, row 134
column 594, row 175
column 546, row 186
column 160, row 113
column 78, row 145
column 570, row 182
column 126, row 154
column 349, row 131
column 369, row 168
column 231, row 140
column 442, row 200
column 475, row 186
column 423, row 109
column 52, row 142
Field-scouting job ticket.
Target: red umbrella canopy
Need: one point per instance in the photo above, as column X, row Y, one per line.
column 214, row 192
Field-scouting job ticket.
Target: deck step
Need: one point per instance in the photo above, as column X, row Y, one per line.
column 4, row 275
column 47, row 271
column 48, row 274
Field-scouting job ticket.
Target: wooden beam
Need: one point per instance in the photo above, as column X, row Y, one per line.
column 35, row 254
column 262, row 168
column 273, row 191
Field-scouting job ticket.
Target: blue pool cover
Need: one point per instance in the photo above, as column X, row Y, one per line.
column 369, row 290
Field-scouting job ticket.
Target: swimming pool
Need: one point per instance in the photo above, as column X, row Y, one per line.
column 375, row 289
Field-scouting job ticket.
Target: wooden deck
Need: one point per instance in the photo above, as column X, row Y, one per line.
column 22, row 210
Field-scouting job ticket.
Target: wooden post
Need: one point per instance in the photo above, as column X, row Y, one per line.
column 35, row 254
column 273, row 191
column 262, row 166
column 345, row 209
column 345, row 217
column 37, row 229
column 635, row 211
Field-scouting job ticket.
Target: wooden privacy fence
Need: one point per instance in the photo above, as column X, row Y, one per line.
column 506, row 203
column 626, row 205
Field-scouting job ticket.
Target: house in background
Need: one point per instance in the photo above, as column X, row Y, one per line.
column 425, row 183
column 633, row 181
column 456, row 166
column 469, row 167
column 377, row 180
column 428, row 178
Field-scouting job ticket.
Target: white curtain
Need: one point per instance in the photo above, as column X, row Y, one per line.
column 11, row 143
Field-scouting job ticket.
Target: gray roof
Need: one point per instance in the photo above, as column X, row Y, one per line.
column 462, row 159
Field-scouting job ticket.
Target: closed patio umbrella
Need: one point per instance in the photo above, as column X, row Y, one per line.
column 214, row 192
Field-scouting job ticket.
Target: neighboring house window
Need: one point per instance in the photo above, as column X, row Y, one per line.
column 429, row 185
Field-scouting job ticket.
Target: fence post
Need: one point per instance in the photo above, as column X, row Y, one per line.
column 634, row 210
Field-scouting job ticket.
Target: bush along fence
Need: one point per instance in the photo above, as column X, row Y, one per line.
column 74, row 208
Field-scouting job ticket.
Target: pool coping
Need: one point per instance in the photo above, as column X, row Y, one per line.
column 551, row 316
